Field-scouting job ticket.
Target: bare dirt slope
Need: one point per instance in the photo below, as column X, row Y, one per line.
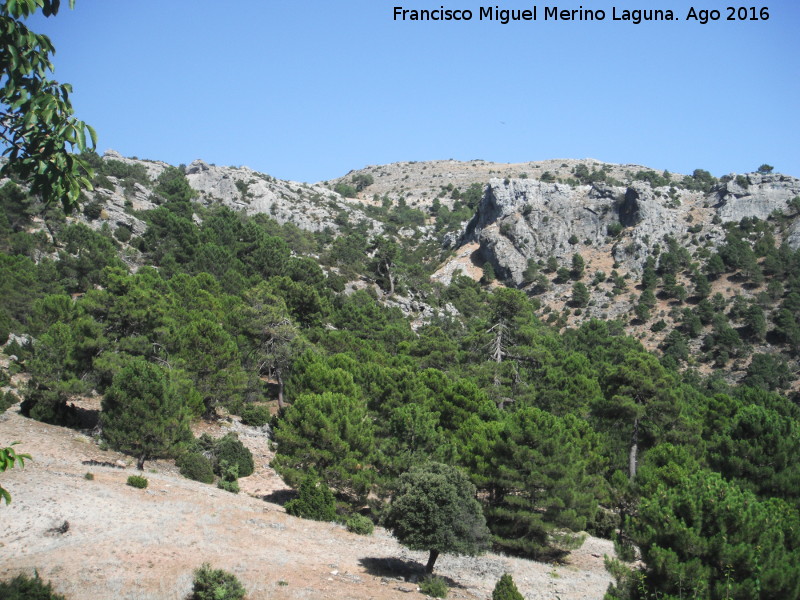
column 125, row 543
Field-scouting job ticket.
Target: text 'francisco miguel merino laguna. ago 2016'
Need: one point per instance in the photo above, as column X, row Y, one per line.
column 554, row 13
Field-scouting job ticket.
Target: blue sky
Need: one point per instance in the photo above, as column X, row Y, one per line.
column 308, row 90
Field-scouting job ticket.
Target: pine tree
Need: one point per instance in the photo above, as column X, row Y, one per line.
column 314, row 501
column 142, row 415
column 506, row 589
column 538, row 482
column 332, row 434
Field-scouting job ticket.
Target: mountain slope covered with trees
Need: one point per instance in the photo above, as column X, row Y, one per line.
column 669, row 424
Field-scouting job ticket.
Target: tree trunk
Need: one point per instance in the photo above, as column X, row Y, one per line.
column 281, row 403
column 391, row 282
column 140, row 462
column 431, row 561
column 388, row 271
column 632, row 456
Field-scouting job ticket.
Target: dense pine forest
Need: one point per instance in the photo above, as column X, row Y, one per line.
column 685, row 451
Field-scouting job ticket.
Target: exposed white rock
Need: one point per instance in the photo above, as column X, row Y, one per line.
column 763, row 194
column 310, row 207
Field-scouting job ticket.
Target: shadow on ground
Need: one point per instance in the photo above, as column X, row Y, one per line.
column 398, row 568
column 280, row 497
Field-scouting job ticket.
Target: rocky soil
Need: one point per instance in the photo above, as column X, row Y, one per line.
column 420, row 182
column 101, row 539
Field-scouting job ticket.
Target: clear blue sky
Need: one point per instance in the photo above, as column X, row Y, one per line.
column 308, row 90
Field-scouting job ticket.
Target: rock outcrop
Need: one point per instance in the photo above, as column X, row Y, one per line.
column 755, row 195
column 521, row 219
column 310, row 207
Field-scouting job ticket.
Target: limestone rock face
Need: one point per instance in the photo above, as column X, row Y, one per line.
column 154, row 167
column 754, row 195
column 519, row 220
column 523, row 219
column 310, row 207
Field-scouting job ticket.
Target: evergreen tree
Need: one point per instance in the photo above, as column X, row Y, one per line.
column 506, row 589
column 758, row 448
column 331, row 433
column 578, row 266
column 580, row 295
column 434, row 508
column 142, row 414
column 640, row 405
column 701, row 536
column 314, row 501
column 538, row 484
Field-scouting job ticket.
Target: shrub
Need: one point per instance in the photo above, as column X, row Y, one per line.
column 92, row 210
column 255, row 416
column 123, row 234
column 614, row 229
column 506, row 589
column 23, row 587
column 215, row 584
column 360, row 524
column 7, row 400
column 197, row 467
column 345, row 190
column 229, row 481
column 231, row 486
column 89, row 476
column 137, row 481
column 433, row 586
column 49, row 406
column 315, row 500
column 229, row 450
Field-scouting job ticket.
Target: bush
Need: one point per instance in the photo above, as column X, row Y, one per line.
column 215, row 584
column 137, row 481
column 49, row 406
column 231, row 486
column 229, row 450
column 604, row 523
column 197, row 467
column 89, row 476
column 433, row 586
column 345, row 190
column 123, row 234
column 315, row 500
column 614, row 229
column 229, row 481
column 255, row 416
column 360, row 524
column 506, row 589
column 23, row 587
column 7, row 400
column 92, row 210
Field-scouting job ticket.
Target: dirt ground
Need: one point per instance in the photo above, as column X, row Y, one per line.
column 101, row 539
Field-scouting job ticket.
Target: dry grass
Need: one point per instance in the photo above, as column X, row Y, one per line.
column 130, row 544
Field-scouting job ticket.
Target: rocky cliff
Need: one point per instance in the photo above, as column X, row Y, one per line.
column 522, row 219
